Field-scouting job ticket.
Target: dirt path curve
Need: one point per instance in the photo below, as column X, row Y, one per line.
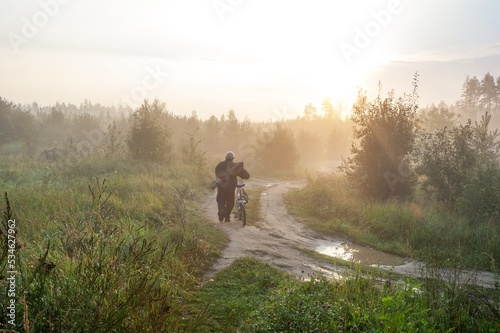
column 278, row 236
column 273, row 240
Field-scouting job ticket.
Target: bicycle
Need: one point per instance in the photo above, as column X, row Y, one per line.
column 241, row 201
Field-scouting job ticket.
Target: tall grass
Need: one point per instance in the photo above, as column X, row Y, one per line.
column 236, row 292
column 416, row 229
column 250, row 296
column 105, row 246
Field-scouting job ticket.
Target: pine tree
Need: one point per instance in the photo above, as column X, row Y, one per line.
column 486, row 142
column 328, row 109
column 471, row 94
column 488, row 93
column 310, row 112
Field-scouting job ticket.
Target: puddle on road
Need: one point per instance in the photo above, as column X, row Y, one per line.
column 358, row 253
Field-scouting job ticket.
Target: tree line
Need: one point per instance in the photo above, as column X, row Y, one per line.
column 154, row 133
column 480, row 96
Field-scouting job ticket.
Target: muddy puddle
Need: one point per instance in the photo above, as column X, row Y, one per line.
column 360, row 254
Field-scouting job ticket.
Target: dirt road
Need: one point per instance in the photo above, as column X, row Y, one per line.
column 274, row 240
column 278, row 236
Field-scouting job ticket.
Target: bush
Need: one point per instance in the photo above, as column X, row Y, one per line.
column 385, row 132
column 480, row 200
column 149, row 140
column 448, row 160
column 277, row 150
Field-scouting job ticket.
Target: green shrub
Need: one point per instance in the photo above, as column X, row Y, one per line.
column 448, row 160
column 480, row 200
column 277, row 150
column 149, row 139
column 385, row 133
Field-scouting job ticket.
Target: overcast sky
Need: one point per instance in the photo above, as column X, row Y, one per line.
column 264, row 59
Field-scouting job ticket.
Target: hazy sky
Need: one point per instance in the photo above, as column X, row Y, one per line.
column 264, row 59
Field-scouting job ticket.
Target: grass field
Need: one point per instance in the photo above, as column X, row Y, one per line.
column 121, row 246
column 104, row 245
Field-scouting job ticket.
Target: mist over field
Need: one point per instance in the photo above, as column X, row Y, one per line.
column 370, row 131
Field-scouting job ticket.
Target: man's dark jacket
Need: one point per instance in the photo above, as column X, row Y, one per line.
column 227, row 171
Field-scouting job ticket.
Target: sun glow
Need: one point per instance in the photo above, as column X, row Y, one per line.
column 254, row 57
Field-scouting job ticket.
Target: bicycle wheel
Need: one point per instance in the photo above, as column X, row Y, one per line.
column 243, row 215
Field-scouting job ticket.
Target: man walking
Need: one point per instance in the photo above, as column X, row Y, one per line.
column 226, row 173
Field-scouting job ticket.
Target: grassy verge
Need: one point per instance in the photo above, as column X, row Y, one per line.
column 103, row 246
column 236, row 292
column 432, row 234
column 250, row 296
column 253, row 205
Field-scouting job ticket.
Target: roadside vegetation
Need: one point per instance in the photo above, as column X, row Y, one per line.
column 250, row 296
column 429, row 233
column 121, row 251
column 431, row 196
